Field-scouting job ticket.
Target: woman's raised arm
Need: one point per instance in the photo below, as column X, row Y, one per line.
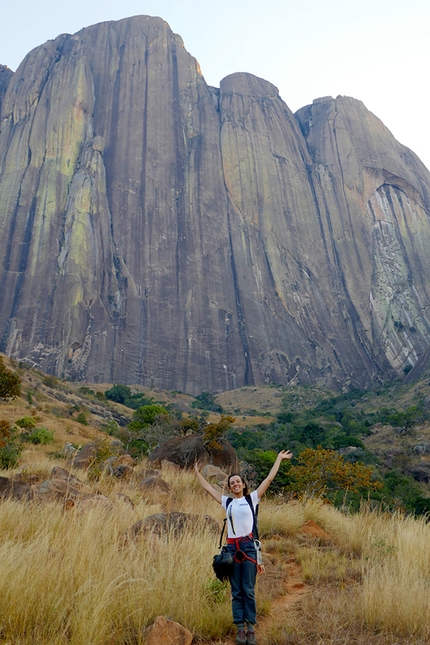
column 284, row 454
column 208, row 488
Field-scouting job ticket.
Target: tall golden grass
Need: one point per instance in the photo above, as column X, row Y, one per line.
column 67, row 578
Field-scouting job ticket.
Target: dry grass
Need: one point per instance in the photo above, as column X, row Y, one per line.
column 66, row 579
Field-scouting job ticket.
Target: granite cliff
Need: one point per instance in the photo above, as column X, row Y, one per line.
column 157, row 230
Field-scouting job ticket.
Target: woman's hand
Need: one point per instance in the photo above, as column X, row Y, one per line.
column 285, row 454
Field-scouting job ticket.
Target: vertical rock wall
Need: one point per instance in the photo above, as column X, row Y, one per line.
column 156, row 230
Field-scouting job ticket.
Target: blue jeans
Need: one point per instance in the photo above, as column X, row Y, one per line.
column 242, row 583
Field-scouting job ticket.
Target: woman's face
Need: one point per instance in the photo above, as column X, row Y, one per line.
column 236, row 485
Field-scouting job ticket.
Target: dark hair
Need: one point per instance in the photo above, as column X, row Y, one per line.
column 245, row 490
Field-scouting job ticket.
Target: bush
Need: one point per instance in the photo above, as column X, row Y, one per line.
column 50, row 381
column 206, row 401
column 147, row 415
column 322, row 473
column 41, row 436
column 10, row 455
column 104, row 451
column 5, row 432
column 26, row 422
column 118, row 393
column 214, row 431
column 10, row 383
column 10, row 450
column 122, row 394
column 81, row 418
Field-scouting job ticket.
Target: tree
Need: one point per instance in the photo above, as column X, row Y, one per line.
column 150, row 425
column 10, row 383
column 118, row 393
column 214, row 431
column 147, row 415
column 206, row 401
column 321, row 472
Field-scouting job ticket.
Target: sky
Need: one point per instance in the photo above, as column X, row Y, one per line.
column 377, row 51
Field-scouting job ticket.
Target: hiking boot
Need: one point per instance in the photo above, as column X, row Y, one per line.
column 251, row 639
column 241, row 637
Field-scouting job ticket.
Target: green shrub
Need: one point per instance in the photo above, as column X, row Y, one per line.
column 206, row 401
column 26, row 422
column 41, row 435
column 104, row 451
column 110, row 427
column 10, row 383
column 87, row 391
column 122, row 394
column 50, row 381
column 10, row 455
column 10, row 450
column 81, row 418
column 147, row 415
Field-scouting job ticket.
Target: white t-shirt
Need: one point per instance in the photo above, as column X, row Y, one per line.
column 239, row 515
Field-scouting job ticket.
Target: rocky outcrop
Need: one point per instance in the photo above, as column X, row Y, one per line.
column 156, row 230
column 186, row 451
column 5, row 76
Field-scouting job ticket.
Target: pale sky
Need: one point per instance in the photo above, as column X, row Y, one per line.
column 377, row 51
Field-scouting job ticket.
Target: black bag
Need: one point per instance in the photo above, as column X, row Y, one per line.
column 223, row 564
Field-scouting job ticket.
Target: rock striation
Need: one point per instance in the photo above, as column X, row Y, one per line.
column 157, row 230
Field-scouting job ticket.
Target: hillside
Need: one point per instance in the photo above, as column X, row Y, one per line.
column 391, row 424
column 70, row 577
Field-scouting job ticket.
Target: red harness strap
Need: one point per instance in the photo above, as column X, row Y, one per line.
column 240, row 556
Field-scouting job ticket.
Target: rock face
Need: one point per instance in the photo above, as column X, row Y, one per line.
column 5, row 76
column 156, row 230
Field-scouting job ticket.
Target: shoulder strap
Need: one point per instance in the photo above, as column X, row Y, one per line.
column 254, row 516
column 229, row 500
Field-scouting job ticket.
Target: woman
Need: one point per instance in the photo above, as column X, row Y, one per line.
column 240, row 543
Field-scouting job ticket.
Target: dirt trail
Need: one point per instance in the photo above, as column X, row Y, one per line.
column 295, row 590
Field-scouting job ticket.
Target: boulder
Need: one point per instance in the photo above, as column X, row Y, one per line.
column 69, row 451
column 161, row 524
column 14, row 489
column 57, row 490
column 214, row 475
column 85, row 456
column 150, row 472
column 61, row 473
column 88, row 500
column 122, row 498
column 422, row 448
column 167, row 632
column 122, row 472
column 186, row 451
column 420, row 472
column 351, row 453
column 120, row 466
column 155, row 484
